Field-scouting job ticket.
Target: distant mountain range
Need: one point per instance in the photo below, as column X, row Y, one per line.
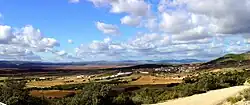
column 27, row 64
column 229, row 60
column 182, row 61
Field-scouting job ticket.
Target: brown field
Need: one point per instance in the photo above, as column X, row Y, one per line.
column 57, row 81
column 51, row 93
column 144, row 80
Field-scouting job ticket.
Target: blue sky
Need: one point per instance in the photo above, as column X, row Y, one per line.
column 122, row 29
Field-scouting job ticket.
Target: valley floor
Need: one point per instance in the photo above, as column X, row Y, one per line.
column 213, row 97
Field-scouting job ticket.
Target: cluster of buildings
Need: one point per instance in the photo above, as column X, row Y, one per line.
column 181, row 68
column 120, row 74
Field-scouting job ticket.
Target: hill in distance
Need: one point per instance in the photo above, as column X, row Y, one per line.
column 229, row 60
column 232, row 58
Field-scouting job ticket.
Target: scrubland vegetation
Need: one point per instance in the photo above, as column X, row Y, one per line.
column 15, row 92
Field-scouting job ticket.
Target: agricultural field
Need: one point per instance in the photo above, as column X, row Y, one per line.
column 52, row 93
column 58, row 81
column 134, row 79
column 148, row 79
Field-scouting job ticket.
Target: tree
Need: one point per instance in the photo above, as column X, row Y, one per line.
column 93, row 94
column 123, row 99
column 14, row 93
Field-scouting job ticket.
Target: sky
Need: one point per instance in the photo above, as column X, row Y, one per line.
column 113, row 30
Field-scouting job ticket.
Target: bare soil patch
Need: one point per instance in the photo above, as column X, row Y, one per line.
column 143, row 80
column 52, row 93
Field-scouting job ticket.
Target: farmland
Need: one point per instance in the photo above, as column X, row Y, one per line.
column 158, row 82
column 52, row 93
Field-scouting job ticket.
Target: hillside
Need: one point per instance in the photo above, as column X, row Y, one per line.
column 232, row 57
column 229, row 60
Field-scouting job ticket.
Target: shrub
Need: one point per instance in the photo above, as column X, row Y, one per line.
column 233, row 100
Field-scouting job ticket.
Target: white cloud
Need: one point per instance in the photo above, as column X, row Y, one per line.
column 228, row 16
column 179, row 28
column 24, row 42
column 74, row 1
column 11, row 52
column 151, row 23
column 131, row 20
column 70, row 41
column 106, row 49
column 31, row 37
column 145, row 42
column 175, row 22
column 132, row 7
column 61, row 53
column 198, row 33
column 5, row 34
column 107, row 28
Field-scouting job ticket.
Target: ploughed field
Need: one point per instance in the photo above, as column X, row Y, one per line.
column 52, row 93
column 148, row 79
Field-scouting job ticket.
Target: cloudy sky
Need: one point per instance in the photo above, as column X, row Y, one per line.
column 88, row 30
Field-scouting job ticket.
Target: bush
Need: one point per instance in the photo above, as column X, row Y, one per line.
column 234, row 100
column 14, row 93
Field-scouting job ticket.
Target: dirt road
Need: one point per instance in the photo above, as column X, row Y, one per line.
column 213, row 97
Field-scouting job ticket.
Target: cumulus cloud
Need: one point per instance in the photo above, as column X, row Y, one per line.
column 133, row 7
column 24, row 42
column 227, row 16
column 175, row 22
column 198, row 33
column 178, row 29
column 5, row 34
column 11, row 52
column 131, row 21
column 107, row 28
column 160, row 46
column 100, row 50
column 31, row 37
column 174, row 29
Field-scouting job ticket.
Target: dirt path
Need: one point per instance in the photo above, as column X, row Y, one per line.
column 213, row 97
